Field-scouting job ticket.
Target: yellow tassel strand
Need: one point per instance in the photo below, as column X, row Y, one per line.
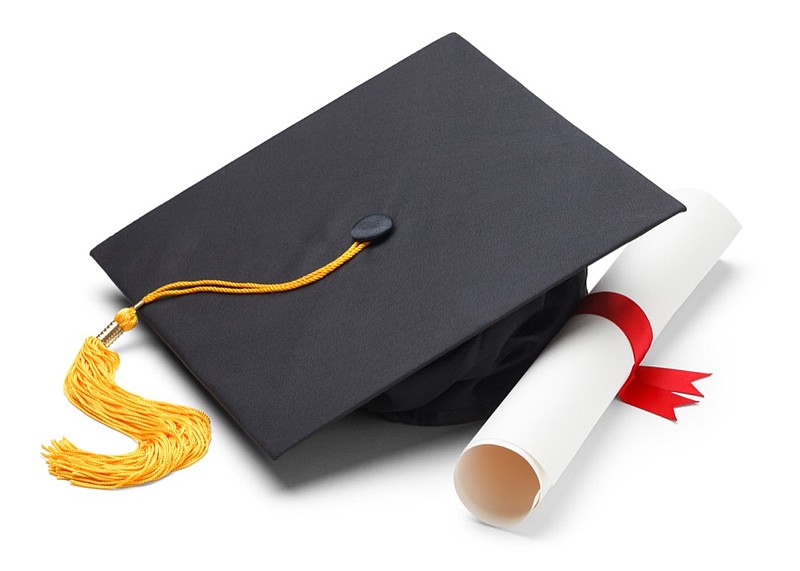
column 169, row 437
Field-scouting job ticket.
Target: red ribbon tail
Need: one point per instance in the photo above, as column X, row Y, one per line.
column 654, row 389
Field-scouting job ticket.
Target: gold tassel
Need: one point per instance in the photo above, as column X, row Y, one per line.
column 169, row 437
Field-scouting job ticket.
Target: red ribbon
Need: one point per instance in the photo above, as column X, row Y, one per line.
column 650, row 388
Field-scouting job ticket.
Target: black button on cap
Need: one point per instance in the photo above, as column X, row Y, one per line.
column 372, row 227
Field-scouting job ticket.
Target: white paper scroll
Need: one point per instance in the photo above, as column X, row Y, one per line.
column 522, row 450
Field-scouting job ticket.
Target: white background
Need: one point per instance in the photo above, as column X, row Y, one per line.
column 107, row 111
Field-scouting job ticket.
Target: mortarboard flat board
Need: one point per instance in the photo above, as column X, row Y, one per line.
column 499, row 204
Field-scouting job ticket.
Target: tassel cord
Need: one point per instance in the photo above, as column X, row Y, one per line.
column 169, row 437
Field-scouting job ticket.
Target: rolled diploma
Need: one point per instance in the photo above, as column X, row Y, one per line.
column 524, row 447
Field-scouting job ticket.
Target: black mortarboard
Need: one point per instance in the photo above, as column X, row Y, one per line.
column 498, row 206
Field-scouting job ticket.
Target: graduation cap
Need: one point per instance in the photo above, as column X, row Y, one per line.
column 409, row 248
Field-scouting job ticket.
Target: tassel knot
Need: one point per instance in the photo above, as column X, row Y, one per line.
column 126, row 318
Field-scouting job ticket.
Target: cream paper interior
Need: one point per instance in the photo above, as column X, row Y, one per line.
column 524, row 447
